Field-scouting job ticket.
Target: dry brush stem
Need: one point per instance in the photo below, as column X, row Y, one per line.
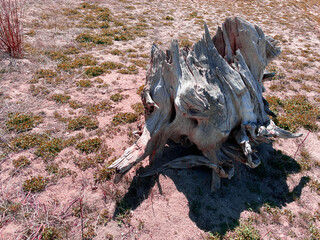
column 10, row 28
column 209, row 96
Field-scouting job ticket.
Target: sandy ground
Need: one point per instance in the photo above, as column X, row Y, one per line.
column 276, row 199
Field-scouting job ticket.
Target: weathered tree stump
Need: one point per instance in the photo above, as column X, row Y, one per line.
column 209, row 96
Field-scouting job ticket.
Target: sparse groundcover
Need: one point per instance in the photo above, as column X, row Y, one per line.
column 81, row 122
column 21, row 162
column 89, row 145
column 84, row 83
column 298, row 112
column 34, row 184
column 138, row 108
column 60, row 98
column 21, row 122
column 103, row 106
column 117, row 97
column 27, row 141
column 124, row 117
column 49, row 149
column 94, row 71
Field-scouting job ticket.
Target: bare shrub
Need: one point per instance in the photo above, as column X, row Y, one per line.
column 10, row 28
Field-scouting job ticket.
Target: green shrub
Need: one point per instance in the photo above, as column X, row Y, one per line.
column 45, row 73
column 82, row 122
column 169, row 18
column 132, row 69
column 104, row 174
column 50, row 149
column 29, row 140
column 94, row 71
column 84, row 83
column 50, row 233
column 89, row 145
column 84, row 37
column 298, row 112
column 75, row 104
column 60, row 98
column 34, row 184
column 21, row 162
column 124, row 117
column 138, row 108
column 116, row 97
column 116, row 52
column 245, row 231
column 20, row 122
column 95, row 109
column 112, row 65
column 57, row 56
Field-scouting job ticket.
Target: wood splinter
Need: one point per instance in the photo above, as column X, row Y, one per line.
column 210, row 96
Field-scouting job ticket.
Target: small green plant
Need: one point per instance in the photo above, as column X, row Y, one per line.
column 104, row 217
column 38, row 90
column 116, row 52
column 132, row 69
column 95, row 109
column 124, row 117
column 84, row 83
column 84, row 60
column 21, row 162
column 45, row 73
column 104, row 174
column 245, row 231
column 89, row 233
column 169, row 18
column 82, row 122
column 116, row 97
column 74, row 104
column 49, row 149
column 57, row 56
column 89, row 145
column 34, row 184
column 140, row 89
column 84, row 37
column 85, row 163
column 112, row 65
column 52, row 168
column 138, row 108
column 27, row 141
column 50, row 233
column 20, row 122
column 9, row 207
column 60, row 98
column 314, row 185
column 298, row 112
column 94, row 71
column 305, row 161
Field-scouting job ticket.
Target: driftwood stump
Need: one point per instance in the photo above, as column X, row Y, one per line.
column 209, row 96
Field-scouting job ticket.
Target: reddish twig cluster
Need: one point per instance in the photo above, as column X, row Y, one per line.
column 10, row 28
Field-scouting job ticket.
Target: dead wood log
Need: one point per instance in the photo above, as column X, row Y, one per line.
column 210, row 96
